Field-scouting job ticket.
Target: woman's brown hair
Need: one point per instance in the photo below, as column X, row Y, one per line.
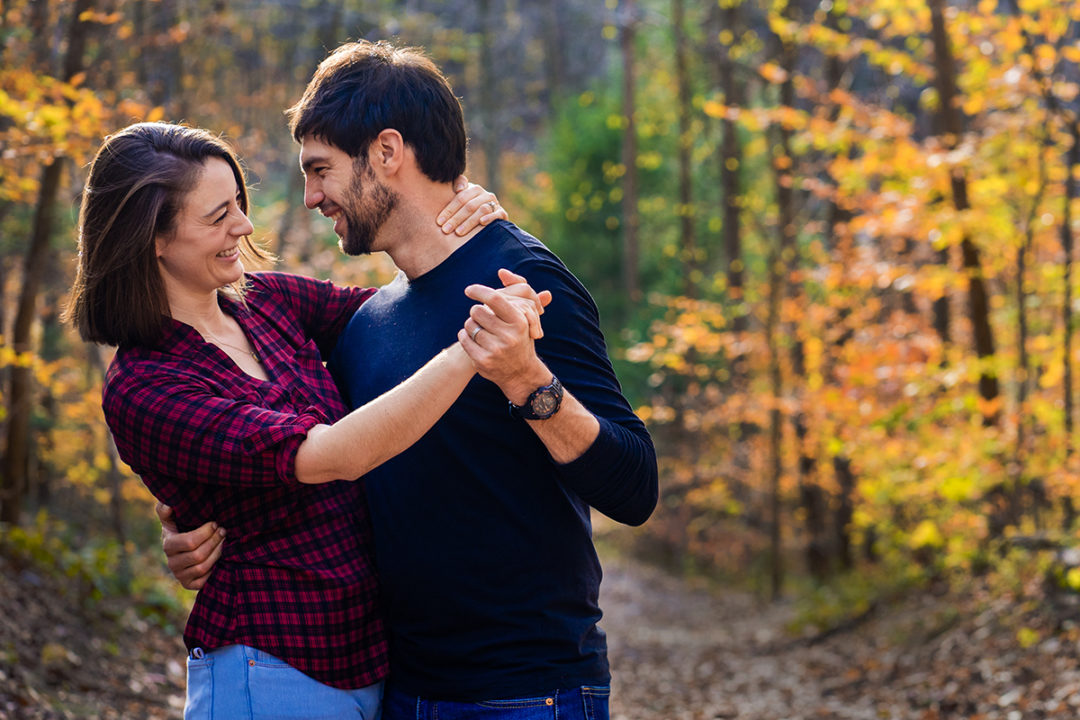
column 136, row 187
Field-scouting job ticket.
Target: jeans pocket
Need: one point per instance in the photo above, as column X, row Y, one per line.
column 595, row 702
column 281, row 692
column 527, row 708
column 200, row 689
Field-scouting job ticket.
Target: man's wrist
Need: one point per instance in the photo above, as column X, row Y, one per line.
column 542, row 403
column 520, row 387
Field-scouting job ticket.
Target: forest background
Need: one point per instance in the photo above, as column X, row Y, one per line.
column 832, row 243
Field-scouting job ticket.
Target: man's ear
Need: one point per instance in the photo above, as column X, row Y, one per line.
column 388, row 151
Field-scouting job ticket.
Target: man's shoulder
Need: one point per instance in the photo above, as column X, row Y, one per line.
column 509, row 246
column 513, row 239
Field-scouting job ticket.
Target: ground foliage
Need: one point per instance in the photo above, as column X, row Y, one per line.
column 681, row 648
column 67, row 656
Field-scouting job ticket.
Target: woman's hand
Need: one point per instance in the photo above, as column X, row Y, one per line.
column 471, row 207
column 529, row 301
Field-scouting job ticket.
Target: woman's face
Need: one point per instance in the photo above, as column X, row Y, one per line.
column 202, row 254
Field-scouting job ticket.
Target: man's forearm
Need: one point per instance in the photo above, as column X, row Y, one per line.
column 568, row 433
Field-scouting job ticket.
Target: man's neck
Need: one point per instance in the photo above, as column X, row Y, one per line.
column 416, row 243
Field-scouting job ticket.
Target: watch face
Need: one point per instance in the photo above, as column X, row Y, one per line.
column 545, row 403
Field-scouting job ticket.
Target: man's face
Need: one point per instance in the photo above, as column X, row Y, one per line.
column 347, row 191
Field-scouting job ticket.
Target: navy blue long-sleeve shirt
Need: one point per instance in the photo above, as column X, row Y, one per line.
column 483, row 543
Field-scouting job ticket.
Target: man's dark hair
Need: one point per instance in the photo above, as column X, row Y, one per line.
column 136, row 187
column 363, row 88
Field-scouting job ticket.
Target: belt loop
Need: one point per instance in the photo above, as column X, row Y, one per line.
column 196, row 654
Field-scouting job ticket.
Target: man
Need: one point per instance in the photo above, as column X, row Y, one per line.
column 482, row 529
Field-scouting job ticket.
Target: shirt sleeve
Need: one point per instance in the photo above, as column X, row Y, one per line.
column 322, row 308
column 169, row 423
column 617, row 475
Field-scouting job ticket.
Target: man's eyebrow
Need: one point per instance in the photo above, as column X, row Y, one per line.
column 306, row 164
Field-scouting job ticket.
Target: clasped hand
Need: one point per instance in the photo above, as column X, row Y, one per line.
column 499, row 333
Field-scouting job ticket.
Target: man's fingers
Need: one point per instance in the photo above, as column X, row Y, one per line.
column 166, row 517
column 195, row 576
column 483, row 316
column 501, row 305
column 176, row 543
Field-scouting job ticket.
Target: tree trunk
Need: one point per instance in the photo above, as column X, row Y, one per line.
column 845, row 511
column 727, row 20
column 114, row 480
column 555, row 66
column 489, row 106
column 1023, row 370
column 776, row 469
column 783, row 168
column 942, row 310
column 1072, row 161
column 631, row 221
column 814, row 503
column 39, row 21
column 978, row 298
column 686, row 190
column 839, row 238
column 13, row 482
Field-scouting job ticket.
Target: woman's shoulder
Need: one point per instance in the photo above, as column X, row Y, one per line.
column 280, row 283
column 134, row 368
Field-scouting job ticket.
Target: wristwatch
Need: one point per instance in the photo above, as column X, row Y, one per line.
column 542, row 404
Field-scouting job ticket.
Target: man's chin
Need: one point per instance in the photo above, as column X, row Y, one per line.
column 353, row 248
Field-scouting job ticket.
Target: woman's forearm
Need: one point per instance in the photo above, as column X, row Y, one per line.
column 382, row 428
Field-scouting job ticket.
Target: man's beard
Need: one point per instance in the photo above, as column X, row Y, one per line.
column 370, row 205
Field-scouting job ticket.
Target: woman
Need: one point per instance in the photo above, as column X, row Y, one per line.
column 220, row 401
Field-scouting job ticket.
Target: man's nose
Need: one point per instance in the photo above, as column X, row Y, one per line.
column 313, row 196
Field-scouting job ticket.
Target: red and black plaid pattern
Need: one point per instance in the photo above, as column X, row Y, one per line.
column 296, row 578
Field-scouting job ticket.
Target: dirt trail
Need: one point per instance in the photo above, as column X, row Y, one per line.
column 679, row 653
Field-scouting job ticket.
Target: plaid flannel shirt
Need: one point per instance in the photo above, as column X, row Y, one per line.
column 296, row 577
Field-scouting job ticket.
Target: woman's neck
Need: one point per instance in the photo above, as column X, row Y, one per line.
column 202, row 313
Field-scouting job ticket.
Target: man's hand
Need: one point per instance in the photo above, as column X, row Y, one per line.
column 192, row 555
column 498, row 340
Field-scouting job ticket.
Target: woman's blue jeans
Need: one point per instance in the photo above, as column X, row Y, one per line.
column 238, row 682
